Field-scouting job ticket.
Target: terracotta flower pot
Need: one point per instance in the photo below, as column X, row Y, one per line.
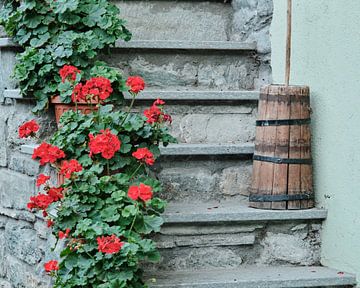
column 61, row 108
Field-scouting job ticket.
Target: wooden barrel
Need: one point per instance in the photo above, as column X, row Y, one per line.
column 282, row 171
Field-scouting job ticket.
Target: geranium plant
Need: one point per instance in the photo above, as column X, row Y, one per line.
column 106, row 209
column 55, row 33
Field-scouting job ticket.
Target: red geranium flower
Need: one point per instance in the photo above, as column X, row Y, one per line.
column 49, row 223
column 105, row 143
column 28, row 129
column 144, row 192
column 56, row 193
column 63, row 235
column 153, row 114
column 52, row 265
column 97, row 87
column 48, row 153
column 68, row 72
column 144, row 155
column 109, row 244
column 42, row 179
column 77, row 95
column 136, row 84
column 41, row 201
column 69, row 167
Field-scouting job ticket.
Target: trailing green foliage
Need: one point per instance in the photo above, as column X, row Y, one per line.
column 54, row 33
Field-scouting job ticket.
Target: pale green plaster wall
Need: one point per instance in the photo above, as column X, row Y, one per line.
column 326, row 56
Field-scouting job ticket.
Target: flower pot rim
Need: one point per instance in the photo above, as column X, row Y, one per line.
column 57, row 100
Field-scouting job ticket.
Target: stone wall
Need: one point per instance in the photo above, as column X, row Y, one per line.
column 25, row 242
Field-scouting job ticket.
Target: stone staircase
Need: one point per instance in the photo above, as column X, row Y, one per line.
column 207, row 60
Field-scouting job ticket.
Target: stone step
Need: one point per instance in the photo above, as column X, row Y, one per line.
column 231, row 46
column 255, row 277
column 175, row 69
column 201, row 172
column 201, row 96
column 229, row 234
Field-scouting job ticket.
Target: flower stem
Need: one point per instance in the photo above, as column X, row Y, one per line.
column 129, row 108
column 133, row 222
column 136, row 170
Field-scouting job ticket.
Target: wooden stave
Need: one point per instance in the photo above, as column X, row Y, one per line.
column 299, row 97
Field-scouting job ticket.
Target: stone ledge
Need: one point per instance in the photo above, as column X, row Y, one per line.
column 174, row 95
column 254, row 277
column 185, row 149
column 207, row 149
column 234, row 212
column 18, row 214
column 169, row 45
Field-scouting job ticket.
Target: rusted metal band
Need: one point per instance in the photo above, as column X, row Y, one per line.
column 280, row 197
column 283, row 122
column 278, row 160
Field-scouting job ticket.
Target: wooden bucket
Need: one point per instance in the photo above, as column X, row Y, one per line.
column 282, row 171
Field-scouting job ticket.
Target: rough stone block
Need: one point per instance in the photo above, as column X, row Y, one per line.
column 184, row 21
column 22, row 242
column 289, row 248
column 16, row 189
column 202, row 258
column 236, row 180
column 24, row 164
column 23, row 275
column 194, row 183
column 189, row 70
column 5, row 284
column 2, row 253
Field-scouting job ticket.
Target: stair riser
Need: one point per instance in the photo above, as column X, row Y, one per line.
column 227, row 123
column 187, row 178
column 230, row 245
column 183, row 20
column 186, row 70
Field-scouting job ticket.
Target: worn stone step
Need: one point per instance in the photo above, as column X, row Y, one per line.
column 201, row 96
column 228, row 234
column 255, row 277
column 202, row 117
column 201, row 172
column 232, row 46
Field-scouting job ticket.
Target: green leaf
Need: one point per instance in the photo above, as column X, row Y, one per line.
column 148, row 224
column 61, row 6
column 129, row 210
column 110, row 214
column 37, row 42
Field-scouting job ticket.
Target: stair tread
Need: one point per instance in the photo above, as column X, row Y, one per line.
column 169, row 44
column 207, row 149
column 255, row 277
column 236, row 211
column 189, row 95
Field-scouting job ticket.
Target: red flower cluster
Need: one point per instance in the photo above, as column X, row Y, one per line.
column 144, row 155
column 49, row 223
column 40, row 201
column 77, row 95
column 109, row 244
column 63, row 235
column 52, row 265
column 42, row 179
column 97, row 88
column 28, row 129
column 155, row 113
column 56, row 193
column 69, row 167
column 136, row 84
column 48, row 153
column 105, row 143
column 68, row 72
column 144, row 192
